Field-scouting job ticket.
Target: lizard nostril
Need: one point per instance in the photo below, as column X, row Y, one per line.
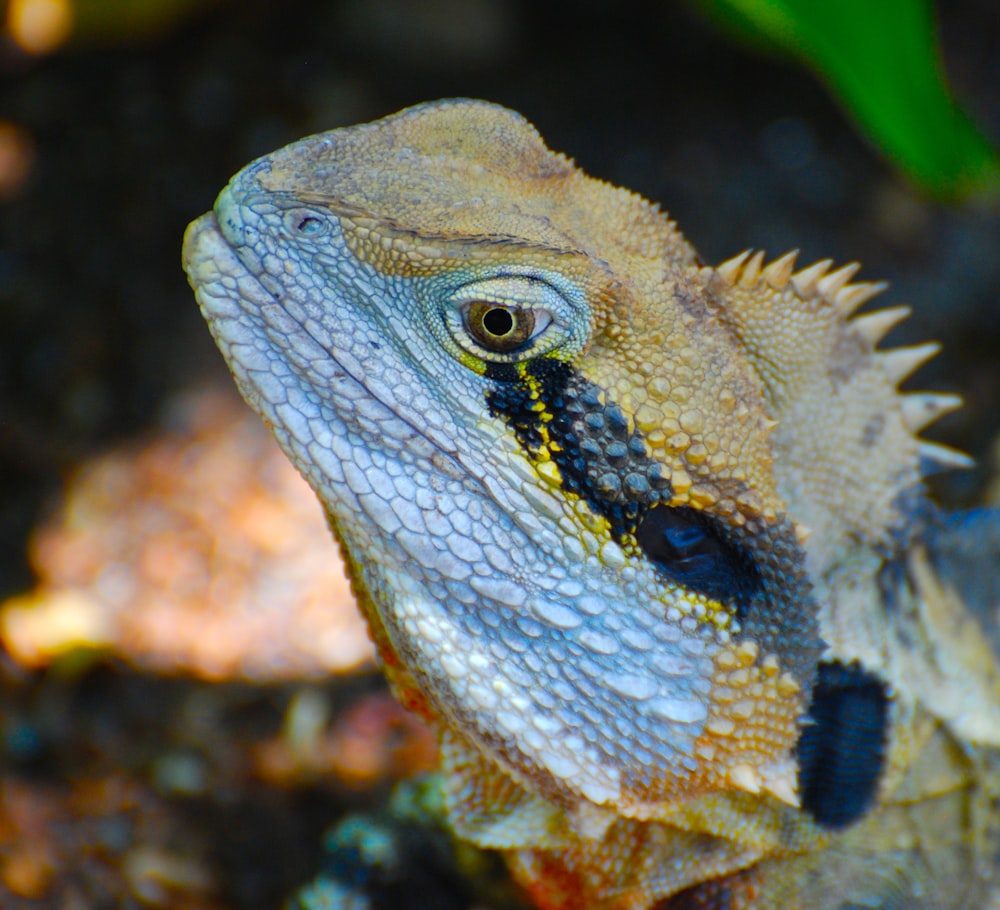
column 304, row 223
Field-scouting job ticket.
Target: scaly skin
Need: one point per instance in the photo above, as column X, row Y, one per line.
column 646, row 540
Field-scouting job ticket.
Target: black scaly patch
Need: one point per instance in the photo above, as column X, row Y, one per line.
column 841, row 751
column 554, row 408
column 605, row 463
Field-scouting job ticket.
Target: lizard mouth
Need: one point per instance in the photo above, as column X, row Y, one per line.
column 210, row 260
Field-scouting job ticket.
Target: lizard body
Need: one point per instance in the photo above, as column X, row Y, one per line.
column 646, row 540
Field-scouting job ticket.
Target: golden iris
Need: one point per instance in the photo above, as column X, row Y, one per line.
column 498, row 327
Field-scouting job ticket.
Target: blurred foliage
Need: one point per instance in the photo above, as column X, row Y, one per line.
column 39, row 27
column 111, row 20
column 883, row 62
column 881, row 59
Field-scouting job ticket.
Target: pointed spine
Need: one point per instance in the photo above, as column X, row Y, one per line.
column 921, row 409
column 782, row 789
column 852, row 296
column 745, row 777
column 731, row 269
column 751, row 271
column 873, row 327
column 805, row 281
column 899, row 363
column 778, row 272
column 831, row 285
column 935, row 458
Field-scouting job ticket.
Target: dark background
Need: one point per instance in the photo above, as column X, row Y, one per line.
column 129, row 139
column 132, row 140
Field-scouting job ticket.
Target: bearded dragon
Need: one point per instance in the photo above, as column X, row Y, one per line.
column 647, row 541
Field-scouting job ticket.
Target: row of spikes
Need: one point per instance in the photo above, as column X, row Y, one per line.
column 919, row 409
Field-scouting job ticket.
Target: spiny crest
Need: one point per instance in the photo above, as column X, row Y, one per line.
column 846, row 455
column 816, row 282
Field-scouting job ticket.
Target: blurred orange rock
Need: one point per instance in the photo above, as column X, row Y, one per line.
column 374, row 740
column 201, row 552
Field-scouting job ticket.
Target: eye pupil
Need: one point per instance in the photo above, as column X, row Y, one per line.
column 498, row 327
column 498, row 321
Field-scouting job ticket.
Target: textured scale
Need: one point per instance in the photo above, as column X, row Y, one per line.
column 646, row 540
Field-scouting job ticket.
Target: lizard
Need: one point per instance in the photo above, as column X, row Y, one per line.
column 647, row 541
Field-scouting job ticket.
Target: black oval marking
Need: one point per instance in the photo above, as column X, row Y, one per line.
column 501, row 371
column 841, row 751
column 690, row 547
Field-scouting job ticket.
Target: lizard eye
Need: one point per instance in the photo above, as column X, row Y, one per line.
column 508, row 318
column 500, row 327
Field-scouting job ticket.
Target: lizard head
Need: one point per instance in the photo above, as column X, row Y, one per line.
column 556, row 448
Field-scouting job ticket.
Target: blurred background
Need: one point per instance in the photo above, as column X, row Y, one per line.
column 186, row 695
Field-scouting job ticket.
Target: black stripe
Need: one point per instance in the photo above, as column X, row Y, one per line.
column 757, row 572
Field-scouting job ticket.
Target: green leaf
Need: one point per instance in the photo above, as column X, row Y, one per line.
column 882, row 61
